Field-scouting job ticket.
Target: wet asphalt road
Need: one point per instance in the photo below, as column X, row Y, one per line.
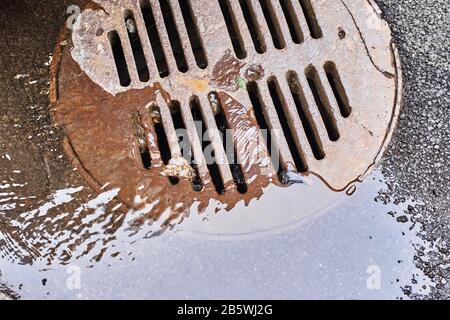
column 418, row 162
column 416, row 165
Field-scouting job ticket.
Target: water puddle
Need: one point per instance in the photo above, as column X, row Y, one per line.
column 319, row 243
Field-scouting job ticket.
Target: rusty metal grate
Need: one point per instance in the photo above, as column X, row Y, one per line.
column 320, row 76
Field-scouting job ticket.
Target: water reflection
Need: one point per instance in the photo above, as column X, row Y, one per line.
column 71, row 224
column 59, row 229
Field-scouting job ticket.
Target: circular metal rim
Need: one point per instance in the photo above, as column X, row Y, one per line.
column 53, row 94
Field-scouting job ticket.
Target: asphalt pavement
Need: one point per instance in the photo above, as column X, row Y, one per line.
column 415, row 168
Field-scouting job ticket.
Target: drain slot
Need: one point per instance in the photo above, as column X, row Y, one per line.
column 136, row 47
column 203, row 135
column 163, row 143
column 193, row 34
column 139, row 133
column 252, row 24
column 146, row 158
column 233, row 29
column 338, row 89
column 278, row 102
column 272, row 22
column 292, row 21
column 155, row 40
column 174, row 36
column 227, row 141
column 185, row 143
column 258, row 105
column 322, row 103
column 305, row 116
column 119, row 58
column 311, row 19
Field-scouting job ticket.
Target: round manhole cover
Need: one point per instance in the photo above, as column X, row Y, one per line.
column 185, row 104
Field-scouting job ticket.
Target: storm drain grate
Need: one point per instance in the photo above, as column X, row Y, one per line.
column 270, row 90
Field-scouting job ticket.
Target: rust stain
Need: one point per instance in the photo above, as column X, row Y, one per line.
column 226, row 71
column 254, row 72
column 108, row 133
column 194, row 85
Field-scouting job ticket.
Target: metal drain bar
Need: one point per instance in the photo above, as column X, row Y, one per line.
column 321, row 76
column 170, row 39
